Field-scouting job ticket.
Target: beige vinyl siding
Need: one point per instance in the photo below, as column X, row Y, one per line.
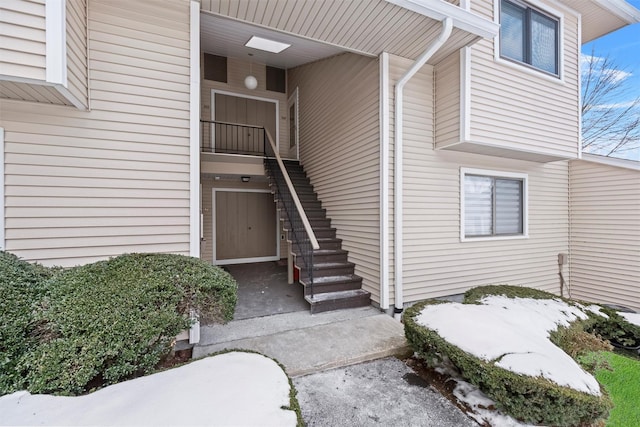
column 522, row 110
column 77, row 72
column 447, row 100
column 23, row 39
column 82, row 186
column 436, row 263
column 605, row 233
column 339, row 149
column 237, row 70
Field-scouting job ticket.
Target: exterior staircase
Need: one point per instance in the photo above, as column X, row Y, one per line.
column 335, row 285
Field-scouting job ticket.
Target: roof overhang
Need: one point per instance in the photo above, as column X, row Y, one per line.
column 462, row 19
column 600, row 17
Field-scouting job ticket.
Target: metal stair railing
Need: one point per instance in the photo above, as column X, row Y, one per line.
column 304, row 237
column 232, row 138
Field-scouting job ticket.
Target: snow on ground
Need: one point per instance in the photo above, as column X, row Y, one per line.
column 631, row 317
column 229, row 389
column 514, row 333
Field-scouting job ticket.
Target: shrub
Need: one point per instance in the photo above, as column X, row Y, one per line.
column 531, row 399
column 112, row 320
column 615, row 328
column 21, row 290
column 474, row 295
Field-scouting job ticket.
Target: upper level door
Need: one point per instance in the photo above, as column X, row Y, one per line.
column 237, row 110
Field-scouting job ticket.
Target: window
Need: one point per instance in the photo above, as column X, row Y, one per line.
column 494, row 204
column 529, row 36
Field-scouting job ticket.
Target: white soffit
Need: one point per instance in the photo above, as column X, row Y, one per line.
column 227, row 37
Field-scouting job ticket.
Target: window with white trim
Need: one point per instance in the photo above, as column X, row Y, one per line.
column 494, row 204
column 529, row 36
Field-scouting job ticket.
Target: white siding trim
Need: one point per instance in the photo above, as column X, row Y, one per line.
column 213, row 228
column 496, row 42
column 612, row 161
column 525, row 202
column 384, row 180
column 194, row 130
column 465, row 94
column 2, row 244
column 56, row 42
column 579, row 87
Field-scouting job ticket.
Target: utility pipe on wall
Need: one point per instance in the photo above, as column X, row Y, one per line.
column 447, row 27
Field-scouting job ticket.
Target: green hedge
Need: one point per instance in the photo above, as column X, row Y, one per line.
column 112, row 320
column 530, row 399
column 21, row 291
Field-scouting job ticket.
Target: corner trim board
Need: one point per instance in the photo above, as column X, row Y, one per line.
column 384, row 180
column 56, row 42
column 194, row 129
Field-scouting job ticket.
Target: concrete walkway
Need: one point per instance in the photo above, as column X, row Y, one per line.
column 340, row 365
column 306, row 343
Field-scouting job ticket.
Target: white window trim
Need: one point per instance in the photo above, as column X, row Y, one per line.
column 497, row 174
column 526, row 68
column 2, row 223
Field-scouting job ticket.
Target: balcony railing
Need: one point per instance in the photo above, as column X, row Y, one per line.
column 232, row 138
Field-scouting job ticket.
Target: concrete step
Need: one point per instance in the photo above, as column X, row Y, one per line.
column 306, row 343
column 338, row 300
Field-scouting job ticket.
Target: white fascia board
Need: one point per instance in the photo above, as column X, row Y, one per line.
column 462, row 19
column 611, row 161
column 621, row 9
column 56, row 42
column 194, row 130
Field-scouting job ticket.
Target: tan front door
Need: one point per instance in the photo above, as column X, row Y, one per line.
column 245, row 226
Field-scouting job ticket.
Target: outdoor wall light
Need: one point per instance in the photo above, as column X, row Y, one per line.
column 250, row 82
column 245, row 178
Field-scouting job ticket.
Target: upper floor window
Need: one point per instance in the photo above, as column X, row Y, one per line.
column 529, row 36
column 494, row 204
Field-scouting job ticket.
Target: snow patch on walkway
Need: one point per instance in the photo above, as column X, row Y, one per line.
column 240, row 389
column 514, row 333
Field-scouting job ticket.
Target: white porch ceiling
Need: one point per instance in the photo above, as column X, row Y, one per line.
column 226, row 37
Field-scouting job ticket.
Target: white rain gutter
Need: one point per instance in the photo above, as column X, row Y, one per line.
column 447, row 27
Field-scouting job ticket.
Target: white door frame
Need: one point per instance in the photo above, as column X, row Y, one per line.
column 295, row 99
column 215, row 261
column 241, row 95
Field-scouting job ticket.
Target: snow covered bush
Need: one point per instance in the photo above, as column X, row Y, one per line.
column 499, row 340
column 113, row 320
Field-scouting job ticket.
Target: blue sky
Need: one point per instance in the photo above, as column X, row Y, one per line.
column 623, row 47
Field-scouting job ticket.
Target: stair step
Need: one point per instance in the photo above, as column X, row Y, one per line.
column 329, row 243
column 323, row 269
column 324, row 232
column 329, row 255
column 338, row 300
column 347, row 282
column 320, row 222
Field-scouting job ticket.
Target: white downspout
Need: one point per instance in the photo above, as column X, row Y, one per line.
column 447, row 27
